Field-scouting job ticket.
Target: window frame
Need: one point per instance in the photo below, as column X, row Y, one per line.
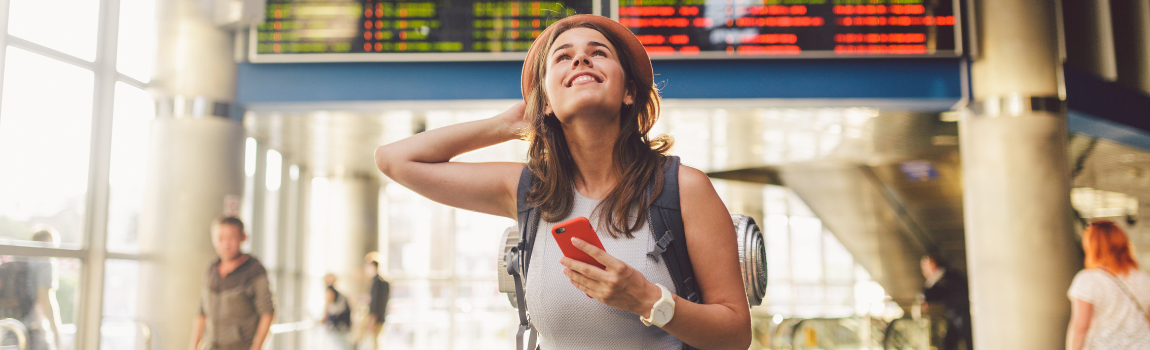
column 93, row 246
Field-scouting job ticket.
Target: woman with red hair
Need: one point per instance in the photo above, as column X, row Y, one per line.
column 1110, row 297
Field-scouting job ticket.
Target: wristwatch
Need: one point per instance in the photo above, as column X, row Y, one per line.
column 662, row 311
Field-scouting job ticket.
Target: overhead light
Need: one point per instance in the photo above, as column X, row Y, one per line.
column 1091, row 203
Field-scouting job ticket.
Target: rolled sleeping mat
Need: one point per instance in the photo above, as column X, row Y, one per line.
column 506, row 282
column 752, row 258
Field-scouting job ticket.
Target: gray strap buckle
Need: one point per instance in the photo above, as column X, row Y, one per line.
column 661, row 246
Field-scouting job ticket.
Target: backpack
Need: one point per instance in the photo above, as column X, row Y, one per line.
column 16, row 297
column 339, row 318
column 666, row 221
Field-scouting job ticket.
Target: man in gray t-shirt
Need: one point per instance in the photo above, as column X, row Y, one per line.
column 236, row 308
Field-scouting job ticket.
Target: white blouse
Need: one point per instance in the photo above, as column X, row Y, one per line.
column 1117, row 322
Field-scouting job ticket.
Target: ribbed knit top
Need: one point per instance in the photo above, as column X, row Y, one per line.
column 566, row 318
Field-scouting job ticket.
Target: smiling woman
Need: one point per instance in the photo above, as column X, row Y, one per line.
column 589, row 105
column 599, row 84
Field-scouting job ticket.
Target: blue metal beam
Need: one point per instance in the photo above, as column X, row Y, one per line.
column 1106, row 109
column 896, row 79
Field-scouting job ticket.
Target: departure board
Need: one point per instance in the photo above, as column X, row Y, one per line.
column 828, row 28
column 445, row 30
column 355, row 30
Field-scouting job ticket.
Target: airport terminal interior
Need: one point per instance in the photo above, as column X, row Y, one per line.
column 858, row 135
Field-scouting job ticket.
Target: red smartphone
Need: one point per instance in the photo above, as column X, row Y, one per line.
column 577, row 228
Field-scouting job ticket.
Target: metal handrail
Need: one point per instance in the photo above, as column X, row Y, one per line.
column 892, row 333
column 146, row 332
column 867, row 328
column 143, row 326
column 18, row 328
column 915, row 231
column 281, row 328
column 781, row 330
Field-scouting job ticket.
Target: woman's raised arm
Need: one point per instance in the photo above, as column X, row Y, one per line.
column 423, row 164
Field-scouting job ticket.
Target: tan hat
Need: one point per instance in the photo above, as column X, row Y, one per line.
column 645, row 74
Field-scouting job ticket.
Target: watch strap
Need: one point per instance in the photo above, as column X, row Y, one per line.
column 665, row 298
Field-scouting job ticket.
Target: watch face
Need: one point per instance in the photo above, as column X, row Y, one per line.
column 663, row 313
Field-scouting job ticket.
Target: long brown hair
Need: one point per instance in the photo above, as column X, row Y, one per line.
column 638, row 159
column 1107, row 247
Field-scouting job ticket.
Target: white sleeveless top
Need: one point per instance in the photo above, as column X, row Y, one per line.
column 566, row 318
column 1117, row 323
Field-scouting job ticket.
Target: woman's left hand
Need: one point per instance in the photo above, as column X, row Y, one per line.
column 618, row 286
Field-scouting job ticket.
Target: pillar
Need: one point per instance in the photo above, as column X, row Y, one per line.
column 1016, row 200
column 196, row 161
column 194, row 164
column 1089, row 35
column 1131, row 20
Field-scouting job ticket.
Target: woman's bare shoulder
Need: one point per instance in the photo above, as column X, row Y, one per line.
column 697, row 196
column 694, row 182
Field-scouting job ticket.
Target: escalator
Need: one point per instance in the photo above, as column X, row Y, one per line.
column 853, row 333
column 893, row 193
column 890, row 195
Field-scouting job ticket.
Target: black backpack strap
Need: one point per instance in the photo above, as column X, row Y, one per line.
column 671, row 240
column 528, row 217
column 520, row 256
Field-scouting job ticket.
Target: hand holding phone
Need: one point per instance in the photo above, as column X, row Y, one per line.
column 579, row 228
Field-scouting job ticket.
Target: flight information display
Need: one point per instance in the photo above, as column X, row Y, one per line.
column 411, row 30
column 352, row 30
column 725, row 28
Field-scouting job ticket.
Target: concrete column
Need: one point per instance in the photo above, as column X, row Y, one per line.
column 257, row 242
column 286, row 275
column 1016, row 201
column 194, row 57
column 346, row 231
column 194, row 164
column 1132, row 42
column 196, row 160
column 299, row 253
column 1089, row 35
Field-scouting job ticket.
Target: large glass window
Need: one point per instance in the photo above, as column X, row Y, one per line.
column 68, row 26
column 811, row 273
column 43, row 293
column 137, row 43
column 131, row 121
column 45, row 132
column 54, row 150
column 120, row 328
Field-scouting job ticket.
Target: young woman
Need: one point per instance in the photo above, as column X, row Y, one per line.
column 590, row 102
column 1111, row 296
